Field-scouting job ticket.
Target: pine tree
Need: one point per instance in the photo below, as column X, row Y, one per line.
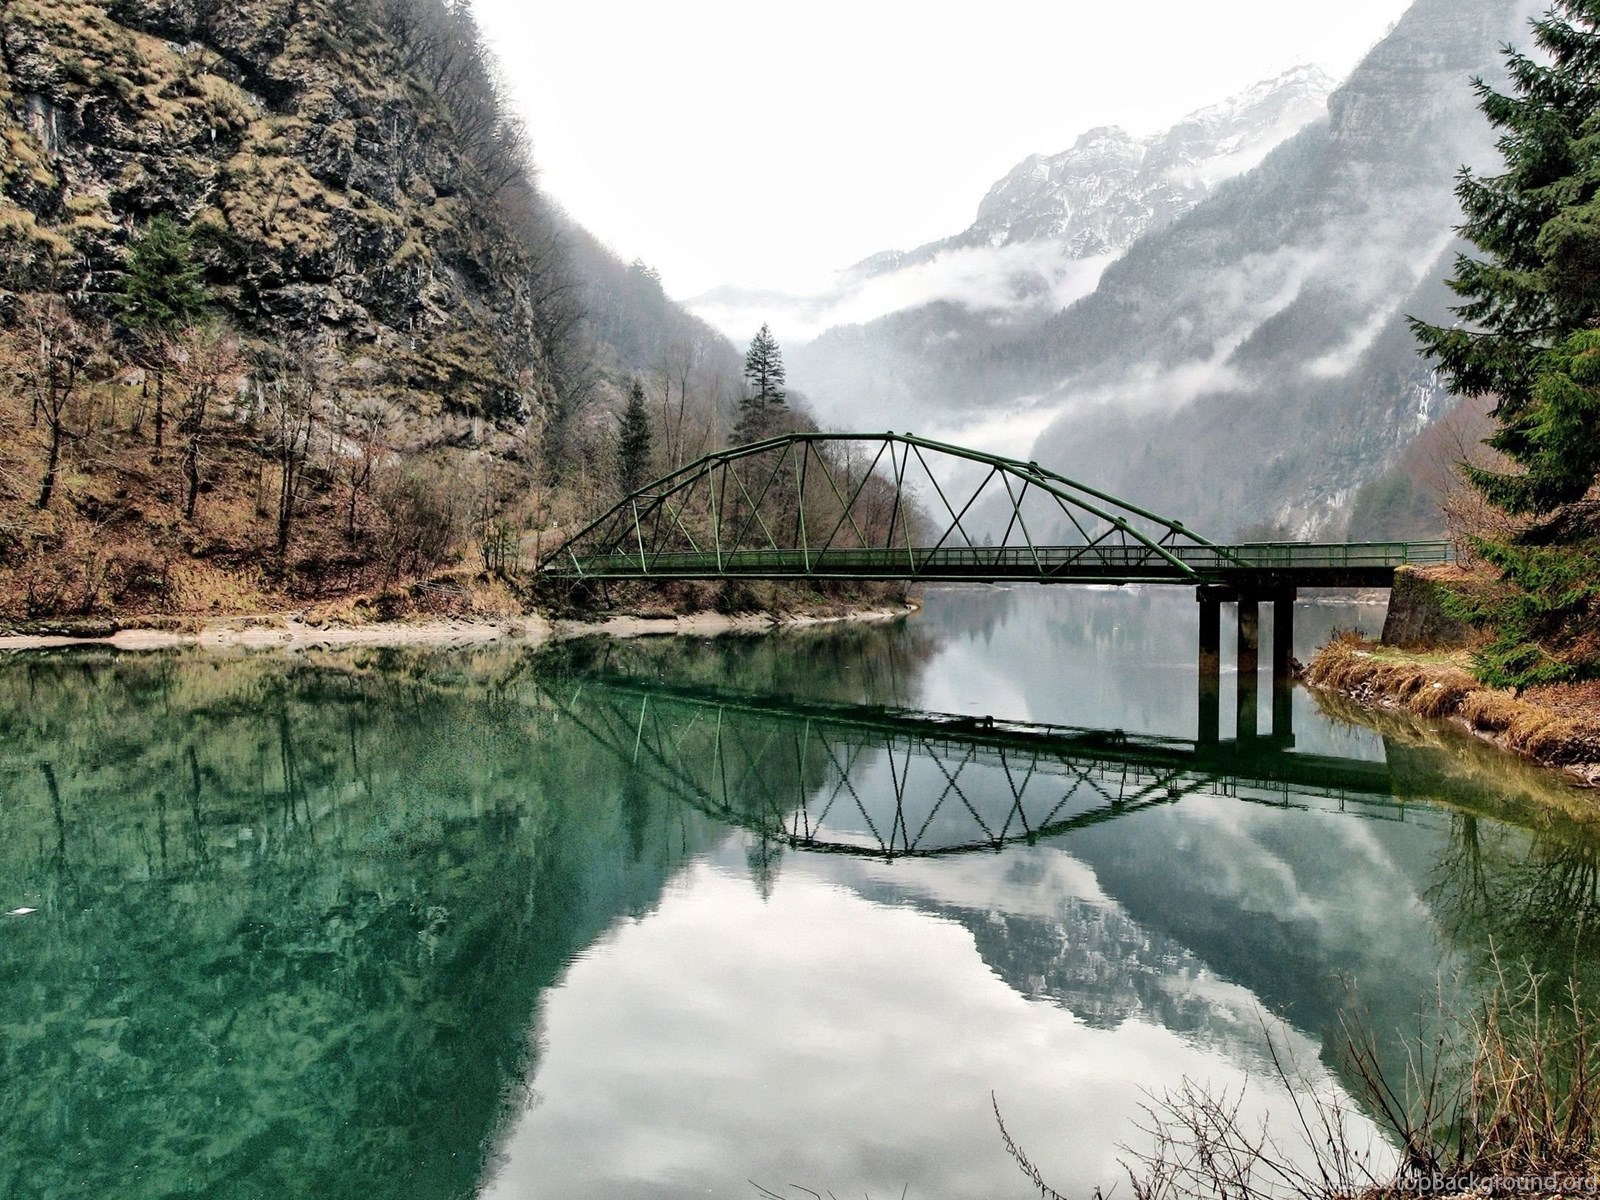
column 635, row 442
column 164, row 287
column 1535, row 292
column 163, row 292
column 1528, row 333
column 763, row 372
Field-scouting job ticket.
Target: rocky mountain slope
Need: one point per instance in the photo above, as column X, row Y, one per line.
column 1248, row 365
column 313, row 151
column 1048, row 227
column 1112, row 187
column 398, row 354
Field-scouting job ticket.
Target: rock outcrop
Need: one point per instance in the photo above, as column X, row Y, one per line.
column 330, row 190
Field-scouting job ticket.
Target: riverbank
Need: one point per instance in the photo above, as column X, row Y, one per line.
column 1556, row 726
column 1422, row 665
column 302, row 630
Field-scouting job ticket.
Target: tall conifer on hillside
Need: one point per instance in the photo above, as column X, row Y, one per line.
column 1529, row 336
column 163, row 292
column 635, row 442
column 764, row 375
column 164, row 286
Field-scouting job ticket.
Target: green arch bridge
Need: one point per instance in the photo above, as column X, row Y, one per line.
column 889, row 506
column 894, row 506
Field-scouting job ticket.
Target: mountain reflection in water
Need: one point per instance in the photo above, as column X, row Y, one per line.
column 653, row 918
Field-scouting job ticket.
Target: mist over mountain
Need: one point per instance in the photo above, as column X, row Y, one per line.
column 1248, row 363
column 1046, row 230
column 1111, row 188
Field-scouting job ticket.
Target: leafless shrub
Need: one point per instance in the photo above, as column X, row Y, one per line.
column 424, row 518
column 1507, row 1094
column 1442, row 451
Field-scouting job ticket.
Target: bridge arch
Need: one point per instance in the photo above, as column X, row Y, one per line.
column 877, row 505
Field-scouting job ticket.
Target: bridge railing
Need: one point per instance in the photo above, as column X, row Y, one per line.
column 1276, row 555
column 1111, row 561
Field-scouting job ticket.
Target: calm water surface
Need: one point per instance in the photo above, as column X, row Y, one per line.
column 657, row 918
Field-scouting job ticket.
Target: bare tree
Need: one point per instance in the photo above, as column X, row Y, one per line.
column 492, row 516
column 1441, row 452
column 292, row 398
column 207, row 364
column 57, row 350
column 679, row 364
column 363, row 427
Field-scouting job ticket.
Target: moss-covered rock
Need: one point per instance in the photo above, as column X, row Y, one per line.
column 1422, row 614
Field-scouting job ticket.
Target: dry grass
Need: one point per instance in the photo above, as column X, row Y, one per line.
column 1428, row 689
column 1557, row 726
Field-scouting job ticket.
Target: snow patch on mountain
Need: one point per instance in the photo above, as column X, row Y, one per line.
column 1111, row 188
column 1046, row 230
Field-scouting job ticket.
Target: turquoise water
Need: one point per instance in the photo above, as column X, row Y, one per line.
column 663, row 917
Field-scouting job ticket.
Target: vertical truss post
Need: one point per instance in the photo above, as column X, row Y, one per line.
column 638, row 536
column 801, row 451
column 716, row 518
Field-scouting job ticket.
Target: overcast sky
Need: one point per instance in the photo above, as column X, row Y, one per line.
column 769, row 144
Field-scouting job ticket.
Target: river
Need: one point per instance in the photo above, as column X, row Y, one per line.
column 662, row 917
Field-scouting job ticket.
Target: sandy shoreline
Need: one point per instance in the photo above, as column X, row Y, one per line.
column 292, row 633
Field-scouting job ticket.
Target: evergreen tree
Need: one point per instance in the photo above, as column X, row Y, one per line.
column 1528, row 332
column 763, row 372
column 635, row 442
column 163, row 289
column 163, row 292
column 1537, row 284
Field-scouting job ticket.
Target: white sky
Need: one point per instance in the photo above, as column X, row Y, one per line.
column 769, row 144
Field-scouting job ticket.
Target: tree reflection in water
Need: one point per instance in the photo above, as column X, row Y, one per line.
column 298, row 916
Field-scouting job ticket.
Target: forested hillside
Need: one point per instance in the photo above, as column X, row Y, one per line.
column 284, row 315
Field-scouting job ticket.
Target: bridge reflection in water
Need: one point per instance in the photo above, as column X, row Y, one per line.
column 891, row 783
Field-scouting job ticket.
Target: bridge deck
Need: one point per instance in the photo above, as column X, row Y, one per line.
column 1254, row 565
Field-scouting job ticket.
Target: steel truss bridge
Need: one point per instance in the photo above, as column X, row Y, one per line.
column 888, row 783
column 893, row 506
column 888, row 506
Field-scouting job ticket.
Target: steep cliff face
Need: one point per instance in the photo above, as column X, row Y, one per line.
column 330, row 190
column 1248, row 365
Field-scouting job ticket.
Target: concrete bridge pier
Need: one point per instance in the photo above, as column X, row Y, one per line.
column 1248, row 643
column 1283, row 667
column 1249, row 675
column 1210, row 663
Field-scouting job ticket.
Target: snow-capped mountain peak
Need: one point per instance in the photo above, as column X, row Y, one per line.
column 1046, row 229
column 1111, row 187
